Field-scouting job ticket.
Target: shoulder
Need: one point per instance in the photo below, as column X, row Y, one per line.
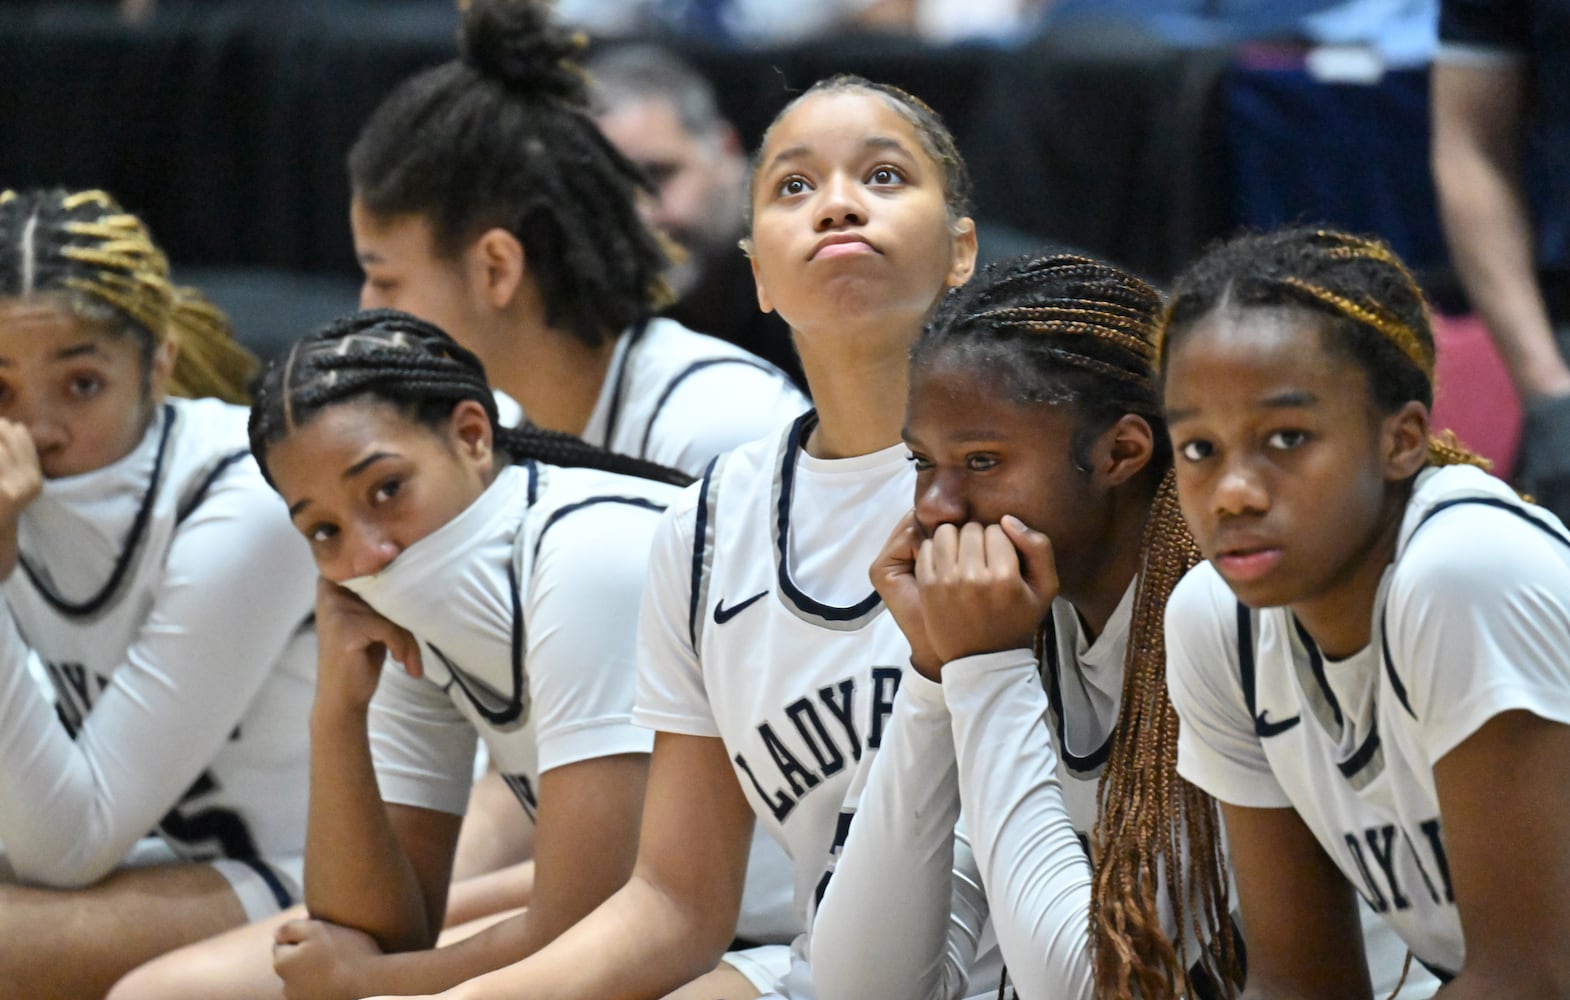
column 1466, row 533
column 1202, row 625
column 598, row 508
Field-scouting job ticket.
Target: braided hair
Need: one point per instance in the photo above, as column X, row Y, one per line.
column 1373, row 310
column 503, row 137
column 393, row 357
column 103, row 263
column 1073, row 331
column 935, row 138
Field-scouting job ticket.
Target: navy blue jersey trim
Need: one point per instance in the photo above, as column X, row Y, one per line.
column 133, row 541
column 189, row 505
column 700, row 534
column 561, row 512
column 1438, row 973
column 514, row 708
column 1051, row 667
column 798, row 433
column 619, row 382
column 1316, row 663
column 533, row 468
column 682, row 376
column 281, row 895
column 1263, row 727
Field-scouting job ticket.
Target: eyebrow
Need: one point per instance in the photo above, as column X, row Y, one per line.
column 349, row 473
column 873, row 142
column 1291, row 399
column 85, row 349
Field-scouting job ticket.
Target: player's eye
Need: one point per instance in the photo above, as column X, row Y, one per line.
column 84, row 386
column 885, row 175
column 921, row 462
column 320, row 532
column 1195, row 451
column 1286, row 440
column 793, row 185
column 385, row 490
column 981, row 462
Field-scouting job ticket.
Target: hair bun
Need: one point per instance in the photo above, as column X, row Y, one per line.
column 516, row 43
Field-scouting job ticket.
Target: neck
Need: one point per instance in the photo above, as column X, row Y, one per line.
column 1340, row 618
column 859, row 396
column 1117, row 556
column 554, row 376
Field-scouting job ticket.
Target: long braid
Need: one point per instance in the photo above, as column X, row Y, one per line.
column 503, row 137
column 394, row 357
column 1070, row 330
column 1379, row 317
column 103, row 262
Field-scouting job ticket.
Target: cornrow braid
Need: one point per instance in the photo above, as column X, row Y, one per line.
column 1377, row 315
column 395, row 358
column 102, row 261
column 502, row 138
column 1074, row 331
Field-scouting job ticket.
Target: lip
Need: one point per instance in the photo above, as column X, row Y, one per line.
column 841, row 245
column 1247, row 563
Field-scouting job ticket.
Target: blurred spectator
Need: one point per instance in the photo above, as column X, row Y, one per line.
column 1501, row 157
column 662, row 115
column 770, row 22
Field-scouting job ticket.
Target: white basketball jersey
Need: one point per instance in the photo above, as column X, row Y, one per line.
column 525, row 606
column 679, row 398
column 1268, row 721
column 220, row 691
column 735, row 645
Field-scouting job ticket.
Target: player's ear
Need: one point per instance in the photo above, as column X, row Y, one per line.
column 1405, row 439
column 470, row 433
column 1122, row 449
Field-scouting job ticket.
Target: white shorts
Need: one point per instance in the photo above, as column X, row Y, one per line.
column 264, row 887
column 763, row 966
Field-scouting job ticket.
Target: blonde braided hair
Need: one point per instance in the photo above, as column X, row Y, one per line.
column 103, row 261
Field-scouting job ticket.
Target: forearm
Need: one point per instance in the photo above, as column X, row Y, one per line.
column 58, row 822
column 438, row 969
column 1477, row 172
column 641, row 944
column 884, row 926
column 484, row 895
column 356, row 872
column 1035, row 870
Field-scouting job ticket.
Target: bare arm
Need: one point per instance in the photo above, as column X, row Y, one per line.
column 586, row 842
column 1300, row 915
column 382, row 869
column 1478, row 138
column 672, row 920
column 1502, row 794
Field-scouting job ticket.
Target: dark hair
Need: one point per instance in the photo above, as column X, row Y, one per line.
column 936, row 140
column 1059, row 328
column 1373, row 311
column 502, row 137
column 393, row 357
column 103, row 263
column 622, row 74
column 1070, row 330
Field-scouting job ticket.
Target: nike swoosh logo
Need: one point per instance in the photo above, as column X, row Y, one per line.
column 1267, row 729
column 722, row 614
